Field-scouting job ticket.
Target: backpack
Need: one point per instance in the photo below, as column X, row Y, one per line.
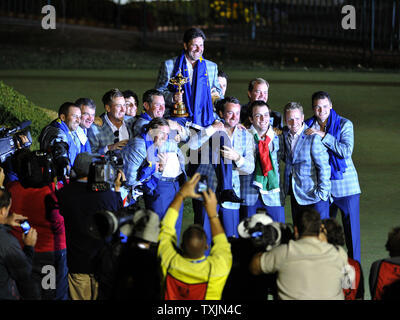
column 356, row 291
column 178, row 290
column 387, row 273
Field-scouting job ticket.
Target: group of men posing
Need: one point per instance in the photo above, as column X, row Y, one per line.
column 237, row 149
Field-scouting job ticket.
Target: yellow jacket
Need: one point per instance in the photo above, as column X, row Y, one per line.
column 212, row 270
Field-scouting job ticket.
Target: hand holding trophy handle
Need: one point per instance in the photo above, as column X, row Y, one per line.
column 179, row 108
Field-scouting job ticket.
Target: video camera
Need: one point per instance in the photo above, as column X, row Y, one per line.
column 264, row 233
column 9, row 139
column 104, row 171
column 34, row 169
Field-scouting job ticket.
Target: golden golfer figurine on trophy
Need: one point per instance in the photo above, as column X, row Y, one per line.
column 179, row 108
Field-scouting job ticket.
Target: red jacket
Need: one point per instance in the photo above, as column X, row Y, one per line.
column 40, row 206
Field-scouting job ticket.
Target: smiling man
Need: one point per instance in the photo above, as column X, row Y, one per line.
column 154, row 160
column 88, row 112
column 307, row 170
column 61, row 134
column 114, row 132
column 202, row 75
column 337, row 135
column 258, row 90
column 153, row 107
column 262, row 188
column 240, row 155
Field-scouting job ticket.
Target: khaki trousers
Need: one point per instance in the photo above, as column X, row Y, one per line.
column 82, row 286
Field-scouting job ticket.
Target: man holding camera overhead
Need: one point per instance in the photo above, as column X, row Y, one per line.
column 78, row 205
column 188, row 274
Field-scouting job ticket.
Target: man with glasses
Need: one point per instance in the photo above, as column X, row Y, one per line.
column 114, row 132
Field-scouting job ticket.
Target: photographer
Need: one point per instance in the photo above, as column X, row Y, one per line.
column 307, row 269
column 78, row 204
column 11, row 141
column 34, row 197
column 189, row 274
column 257, row 233
column 137, row 272
column 15, row 264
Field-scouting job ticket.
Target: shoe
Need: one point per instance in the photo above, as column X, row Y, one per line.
column 229, row 195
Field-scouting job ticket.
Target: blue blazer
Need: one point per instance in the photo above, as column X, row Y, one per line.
column 343, row 147
column 102, row 136
column 308, row 168
column 243, row 143
column 249, row 192
column 165, row 74
column 134, row 156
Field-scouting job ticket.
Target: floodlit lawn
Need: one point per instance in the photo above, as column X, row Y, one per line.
column 370, row 100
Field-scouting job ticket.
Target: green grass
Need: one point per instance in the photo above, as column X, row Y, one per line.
column 370, row 100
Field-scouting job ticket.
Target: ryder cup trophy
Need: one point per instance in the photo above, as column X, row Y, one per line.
column 179, row 108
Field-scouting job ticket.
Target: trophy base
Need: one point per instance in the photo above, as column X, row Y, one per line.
column 180, row 115
column 180, row 111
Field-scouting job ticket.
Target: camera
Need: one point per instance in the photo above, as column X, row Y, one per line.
column 34, row 169
column 25, row 226
column 105, row 223
column 104, row 171
column 59, row 156
column 201, row 185
column 264, row 233
column 9, row 139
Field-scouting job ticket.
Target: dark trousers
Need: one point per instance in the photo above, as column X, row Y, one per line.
column 222, row 167
column 321, row 206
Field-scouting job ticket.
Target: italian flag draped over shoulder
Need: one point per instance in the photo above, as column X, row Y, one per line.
column 265, row 174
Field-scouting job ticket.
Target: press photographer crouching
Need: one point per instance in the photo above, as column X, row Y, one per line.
column 78, row 203
column 258, row 233
column 34, row 197
column 307, row 268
